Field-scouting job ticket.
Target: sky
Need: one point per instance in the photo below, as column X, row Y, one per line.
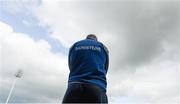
column 142, row 37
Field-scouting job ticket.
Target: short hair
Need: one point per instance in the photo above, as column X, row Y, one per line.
column 92, row 36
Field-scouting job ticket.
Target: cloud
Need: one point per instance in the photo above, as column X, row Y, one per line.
column 138, row 27
column 44, row 77
column 157, row 82
column 17, row 7
column 151, row 89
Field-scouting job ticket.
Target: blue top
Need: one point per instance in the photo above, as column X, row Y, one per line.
column 88, row 63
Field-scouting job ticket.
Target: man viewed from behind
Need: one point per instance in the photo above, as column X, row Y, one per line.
column 88, row 63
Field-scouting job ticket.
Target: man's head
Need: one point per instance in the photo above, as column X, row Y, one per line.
column 92, row 36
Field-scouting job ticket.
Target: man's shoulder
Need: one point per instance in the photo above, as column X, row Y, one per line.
column 86, row 41
column 106, row 49
column 89, row 42
column 80, row 41
column 76, row 43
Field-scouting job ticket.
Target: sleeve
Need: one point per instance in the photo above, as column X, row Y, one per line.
column 107, row 57
column 70, row 57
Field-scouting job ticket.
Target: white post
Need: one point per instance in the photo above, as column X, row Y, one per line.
column 14, row 82
column 17, row 75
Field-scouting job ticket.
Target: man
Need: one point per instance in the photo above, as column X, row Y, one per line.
column 88, row 63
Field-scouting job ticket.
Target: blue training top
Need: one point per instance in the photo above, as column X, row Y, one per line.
column 88, row 63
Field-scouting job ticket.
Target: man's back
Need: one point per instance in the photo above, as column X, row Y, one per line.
column 88, row 63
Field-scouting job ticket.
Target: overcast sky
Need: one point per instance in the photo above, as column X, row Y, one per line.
column 143, row 38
